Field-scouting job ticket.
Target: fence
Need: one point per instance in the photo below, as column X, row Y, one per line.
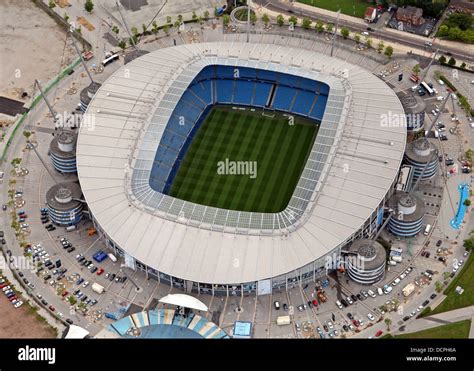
column 35, row 101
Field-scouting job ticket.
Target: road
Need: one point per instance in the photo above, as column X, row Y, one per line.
column 388, row 35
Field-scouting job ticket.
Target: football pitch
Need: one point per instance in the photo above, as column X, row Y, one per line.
column 243, row 160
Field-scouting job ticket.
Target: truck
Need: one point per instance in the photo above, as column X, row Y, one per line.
column 97, row 288
column 408, row 289
column 71, row 228
column 99, row 256
column 283, row 320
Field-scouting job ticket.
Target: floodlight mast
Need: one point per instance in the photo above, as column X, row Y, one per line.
column 80, row 56
column 51, row 110
column 335, row 32
column 132, row 40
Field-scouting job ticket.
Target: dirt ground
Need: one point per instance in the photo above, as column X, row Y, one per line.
column 18, row 323
column 31, row 47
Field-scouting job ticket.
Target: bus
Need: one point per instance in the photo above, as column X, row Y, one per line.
column 427, row 88
column 110, row 59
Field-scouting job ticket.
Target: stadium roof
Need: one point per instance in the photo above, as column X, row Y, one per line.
column 354, row 161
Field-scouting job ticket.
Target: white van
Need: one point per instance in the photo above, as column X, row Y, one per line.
column 338, row 303
column 427, row 230
column 112, row 257
column 380, row 291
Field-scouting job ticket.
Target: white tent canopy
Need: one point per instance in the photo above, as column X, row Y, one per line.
column 76, row 332
column 185, row 301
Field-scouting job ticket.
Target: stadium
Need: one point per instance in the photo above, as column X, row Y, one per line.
column 159, row 127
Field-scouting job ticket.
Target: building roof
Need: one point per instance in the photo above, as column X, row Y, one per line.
column 357, row 162
column 410, row 11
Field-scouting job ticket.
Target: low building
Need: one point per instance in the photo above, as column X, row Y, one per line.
column 370, row 14
column 410, row 14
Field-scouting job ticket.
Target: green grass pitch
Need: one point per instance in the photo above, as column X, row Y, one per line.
column 280, row 151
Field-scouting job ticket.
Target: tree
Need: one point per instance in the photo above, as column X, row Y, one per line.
column 388, row 51
column 443, row 30
column 293, row 20
column 416, row 69
column 280, row 20
column 206, row 15
column 345, row 32
column 368, row 43
column 467, row 202
column 265, row 19
column 144, row 27
column 463, row 65
column 154, row 27
column 27, row 134
column 89, row 6
column 469, row 244
column 225, row 20
column 180, row 18
column 66, row 17
column 122, row 44
column 134, row 31
column 168, row 20
column 306, row 23
column 115, row 30
column 319, row 26
column 79, row 30
column 177, row 25
column 329, row 27
column 357, row 38
column 388, row 322
column 452, row 61
column 51, row 4
column 194, row 16
column 166, row 29
column 442, row 59
column 380, row 46
column 253, row 18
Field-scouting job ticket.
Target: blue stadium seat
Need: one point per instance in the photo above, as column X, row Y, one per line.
column 243, row 92
column 247, row 73
column 283, row 98
column 318, row 110
column 262, row 91
column 224, row 90
column 225, row 72
column 266, row 75
column 290, row 81
column 303, row 102
column 203, row 90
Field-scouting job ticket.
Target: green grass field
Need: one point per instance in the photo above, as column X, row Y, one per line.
column 465, row 279
column 455, row 330
column 346, row 6
column 280, row 151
